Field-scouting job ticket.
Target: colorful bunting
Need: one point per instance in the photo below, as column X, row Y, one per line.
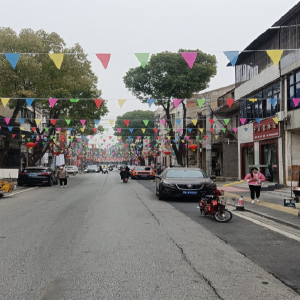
column 229, row 102
column 232, row 56
column 5, row 101
column 37, row 121
column 234, row 129
column 150, row 101
column 243, row 120
column 52, row 102
column 296, row 101
column 163, row 122
column 211, row 121
column 176, row 102
column 68, row 121
column 57, row 59
column 82, row 122
column 104, row 58
column 121, row 102
column 143, row 58
column 252, row 100
column 273, row 101
column 126, row 122
column 98, row 102
column 13, row 58
column 200, row 102
column 276, row 120
column 194, row 122
column 74, row 100
column 226, row 121
column 258, row 120
column 189, row 57
column 111, row 122
column 7, row 120
column 275, row 56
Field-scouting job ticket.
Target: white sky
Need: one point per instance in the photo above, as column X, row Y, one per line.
column 123, row 27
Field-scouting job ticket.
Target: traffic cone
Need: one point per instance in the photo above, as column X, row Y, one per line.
column 240, row 205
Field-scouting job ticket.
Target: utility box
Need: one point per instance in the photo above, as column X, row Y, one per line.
column 289, row 202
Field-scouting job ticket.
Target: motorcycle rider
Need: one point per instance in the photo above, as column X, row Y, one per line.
column 124, row 173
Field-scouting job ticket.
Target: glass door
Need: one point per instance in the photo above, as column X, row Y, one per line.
column 270, row 159
column 249, row 158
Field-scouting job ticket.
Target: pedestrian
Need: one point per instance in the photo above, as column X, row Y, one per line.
column 217, row 168
column 213, row 165
column 62, row 174
column 255, row 180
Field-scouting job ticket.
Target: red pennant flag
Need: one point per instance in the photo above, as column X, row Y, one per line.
column 110, row 137
column 211, row 121
column 104, row 58
column 53, row 121
column 212, row 130
column 98, row 102
column 159, row 137
column 155, row 130
column 126, row 122
column 95, row 130
column 104, row 140
column 206, row 136
column 33, row 128
column 13, row 135
column 229, row 102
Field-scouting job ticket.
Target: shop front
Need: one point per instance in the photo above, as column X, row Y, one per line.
column 247, row 158
column 266, row 134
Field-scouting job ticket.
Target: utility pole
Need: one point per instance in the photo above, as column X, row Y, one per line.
column 208, row 140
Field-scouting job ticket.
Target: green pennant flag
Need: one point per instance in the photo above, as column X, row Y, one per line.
column 226, row 121
column 169, row 129
column 157, row 141
column 68, row 121
column 46, row 128
column 224, row 129
column 146, row 122
column 101, row 137
column 74, row 100
column 200, row 102
column 28, row 140
column 51, row 136
column 148, row 137
column 200, row 141
column 106, row 129
column 143, row 58
column 197, row 137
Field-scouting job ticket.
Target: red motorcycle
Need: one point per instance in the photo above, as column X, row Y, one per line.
column 214, row 205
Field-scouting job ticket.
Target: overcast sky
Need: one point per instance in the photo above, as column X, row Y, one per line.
column 124, row 27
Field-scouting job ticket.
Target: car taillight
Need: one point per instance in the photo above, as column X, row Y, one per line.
column 21, row 173
column 46, row 173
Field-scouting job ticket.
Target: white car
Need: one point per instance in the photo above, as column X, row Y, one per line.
column 72, row 169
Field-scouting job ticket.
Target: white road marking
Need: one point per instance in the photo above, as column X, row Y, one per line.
column 22, row 191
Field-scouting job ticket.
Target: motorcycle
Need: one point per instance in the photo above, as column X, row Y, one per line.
column 125, row 180
column 214, row 205
column 110, row 168
column 124, row 176
column 104, row 171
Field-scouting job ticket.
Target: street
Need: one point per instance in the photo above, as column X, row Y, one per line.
column 102, row 239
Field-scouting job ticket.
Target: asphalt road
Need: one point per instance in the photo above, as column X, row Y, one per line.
column 102, row 239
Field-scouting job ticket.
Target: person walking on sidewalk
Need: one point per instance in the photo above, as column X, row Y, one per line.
column 217, row 169
column 255, row 180
column 62, row 174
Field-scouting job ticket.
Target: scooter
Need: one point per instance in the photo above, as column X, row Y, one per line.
column 125, row 179
column 214, row 205
column 104, row 171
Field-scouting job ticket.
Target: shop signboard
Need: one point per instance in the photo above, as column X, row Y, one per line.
column 267, row 129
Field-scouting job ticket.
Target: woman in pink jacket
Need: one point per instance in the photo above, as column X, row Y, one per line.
column 255, row 179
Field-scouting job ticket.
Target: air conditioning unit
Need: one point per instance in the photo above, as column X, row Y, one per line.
column 282, row 116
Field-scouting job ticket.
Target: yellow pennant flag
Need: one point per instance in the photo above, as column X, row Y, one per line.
column 253, row 100
column 23, row 135
column 132, row 145
column 82, row 129
column 72, row 137
column 119, row 137
column 169, row 137
column 143, row 129
column 111, row 122
column 194, row 122
column 5, row 101
column 57, row 59
column 276, row 120
column 201, row 129
column 182, row 141
column 121, row 102
column 216, row 136
column 21, row 128
column 137, row 140
column 54, row 140
column 275, row 55
column 95, row 140
column 37, row 121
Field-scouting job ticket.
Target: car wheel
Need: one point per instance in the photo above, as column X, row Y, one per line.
column 161, row 196
column 20, row 183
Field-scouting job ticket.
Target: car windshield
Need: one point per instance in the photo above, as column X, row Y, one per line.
column 143, row 168
column 185, row 174
column 92, row 167
column 35, row 170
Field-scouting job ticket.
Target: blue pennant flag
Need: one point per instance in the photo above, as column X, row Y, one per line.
column 273, row 101
column 190, row 129
column 150, row 102
column 232, row 56
column 32, row 136
column 130, row 129
column 258, row 120
column 10, row 128
column 178, row 122
column 70, row 129
column 129, row 137
column 22, row 120
column 97, row 122
column 12, row 58
column 173, row 141
column 45, row 139
column 29, row 101
column 246, row 129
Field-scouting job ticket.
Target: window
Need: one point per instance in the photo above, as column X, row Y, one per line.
column 293, row 89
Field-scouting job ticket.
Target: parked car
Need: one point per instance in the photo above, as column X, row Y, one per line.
column 72, row 169
column 184, row 183
column 142, row 172
column 37, row 175
column 92, row 169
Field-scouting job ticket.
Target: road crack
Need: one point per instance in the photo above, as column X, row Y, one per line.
column 181, row 250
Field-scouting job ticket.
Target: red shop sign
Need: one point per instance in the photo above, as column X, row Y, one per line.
column 267, row 129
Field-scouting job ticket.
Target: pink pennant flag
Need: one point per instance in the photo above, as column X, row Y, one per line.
column 234, row 129
column 180, row 129
column 119, row 130
column 104, row 58
column 187, row 137
column 138, row 137
column 72, row 144
column 7, row 120
column 189, row 57
column 52, row 102
column 91, row 137
column 37, row 139
column 58, row 129
column 42, row 136
column 82, row 122
column 163, row 122
column 176, row 102
column 296, row 101
column 78, row 140
column 243, row 120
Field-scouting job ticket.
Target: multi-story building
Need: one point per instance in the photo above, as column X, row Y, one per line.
column 266, row 93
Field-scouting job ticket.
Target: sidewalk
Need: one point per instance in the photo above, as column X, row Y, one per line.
column 270, row 205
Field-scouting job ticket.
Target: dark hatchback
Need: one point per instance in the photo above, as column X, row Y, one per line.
column 184, row 183
column 37, row 176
